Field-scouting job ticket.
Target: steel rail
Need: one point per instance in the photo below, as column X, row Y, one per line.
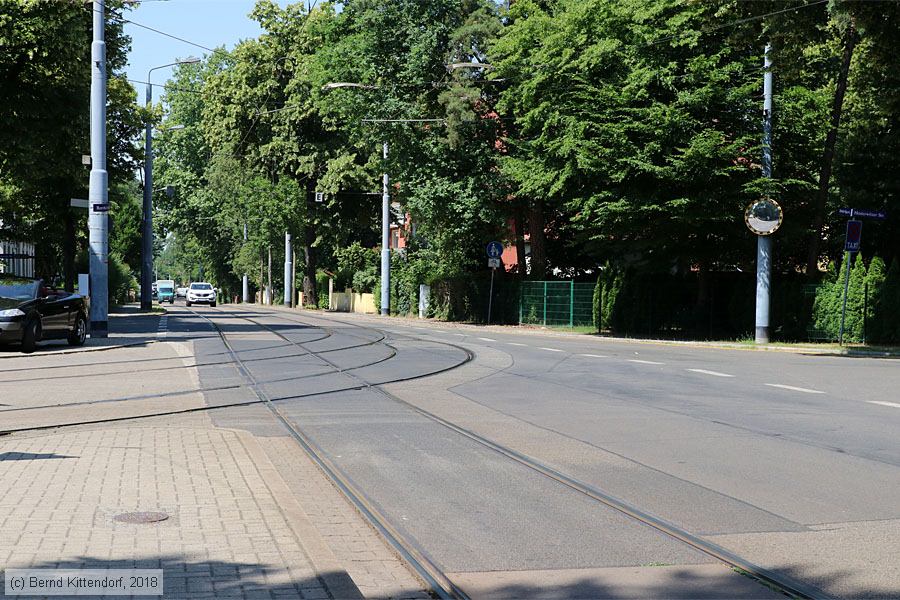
column 424, row 567
column 784, row 583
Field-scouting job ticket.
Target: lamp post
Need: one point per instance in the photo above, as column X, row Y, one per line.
column 147, row 228
column 385, row 193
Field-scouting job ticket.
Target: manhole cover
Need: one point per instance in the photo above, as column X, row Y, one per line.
column 141, row 517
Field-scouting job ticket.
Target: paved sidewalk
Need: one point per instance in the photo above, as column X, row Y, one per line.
column 228, row 534
column 247, row 516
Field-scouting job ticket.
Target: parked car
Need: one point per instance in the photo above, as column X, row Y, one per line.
column 181, row 292
column 31, row 311
column 200, row 292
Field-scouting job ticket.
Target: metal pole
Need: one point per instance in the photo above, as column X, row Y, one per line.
column 269, row 290
column 147, row 225
column 572, row 303
column 288, row 270
column 245, row 284
column 98, row 224
column 491, row 295
column 764, row 243
column 385, row 241
column 849, row 261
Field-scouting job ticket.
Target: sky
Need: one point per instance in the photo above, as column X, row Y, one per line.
column 210, row 23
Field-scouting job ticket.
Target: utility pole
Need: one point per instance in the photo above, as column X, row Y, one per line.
column 764, row 242
column 147, row 224
column 385, row 241
column 98, row 223
column 288, row 269
column 245, row 284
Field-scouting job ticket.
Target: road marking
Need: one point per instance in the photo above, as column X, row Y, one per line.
column 794, row 389
column 487, row 339
column 594, row 355
column 549, row 349
column 516, row 344
column 645, row 362
column 713, row 373
column 459, row 334
column 163, row 329
column 882, row 403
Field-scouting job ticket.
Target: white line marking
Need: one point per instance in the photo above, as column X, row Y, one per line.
column 645, row 362
column 594, row 355
column 439, row 330
column 459, row 334
column 516, row 344
column 487, row 339
column 795, row 389
column 891, row 404
column 549, row 349
column 713, row 373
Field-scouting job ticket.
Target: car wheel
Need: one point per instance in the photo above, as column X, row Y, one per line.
column 187, row 303
column 79, row 332
column 30, row 336
column 212, row 304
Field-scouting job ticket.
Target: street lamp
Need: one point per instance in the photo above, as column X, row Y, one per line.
column 147, row 229
column 385, row 211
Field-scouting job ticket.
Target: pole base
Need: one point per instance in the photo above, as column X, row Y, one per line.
column 99, row 329
column 762, row 335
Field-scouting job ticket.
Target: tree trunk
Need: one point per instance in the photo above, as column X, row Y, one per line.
column 310, row 293
column 519, row 225
column 262, row 279
column 269, row 284
column 821, row 204
column 537, row 225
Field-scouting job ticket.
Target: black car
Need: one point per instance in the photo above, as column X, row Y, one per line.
column 31, row 311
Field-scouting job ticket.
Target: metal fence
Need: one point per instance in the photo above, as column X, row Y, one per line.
column 557, row 303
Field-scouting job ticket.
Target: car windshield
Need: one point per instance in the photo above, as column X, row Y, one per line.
column 165, row 289
column 201, row 286
column 18, row 289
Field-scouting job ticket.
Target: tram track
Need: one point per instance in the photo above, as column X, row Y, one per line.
column 416, row 557
column 772, row 579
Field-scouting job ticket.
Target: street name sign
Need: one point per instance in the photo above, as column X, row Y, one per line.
column 104, row 207
column 856, row 212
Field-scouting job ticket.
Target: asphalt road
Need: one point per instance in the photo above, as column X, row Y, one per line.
column 789, row 461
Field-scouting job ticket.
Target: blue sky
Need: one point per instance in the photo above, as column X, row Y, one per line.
column 210, row 23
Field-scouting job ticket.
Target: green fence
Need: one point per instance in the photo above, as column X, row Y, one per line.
column 559, row 303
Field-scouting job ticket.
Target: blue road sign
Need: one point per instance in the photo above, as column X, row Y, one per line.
column 869, row 214
column 494, row 249
column 854, row 236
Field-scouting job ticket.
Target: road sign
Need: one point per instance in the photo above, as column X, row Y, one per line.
column 78, row 202
column 854, row 236
column 494, row 249
column 494, row 263
column 101, row 207
column 869, row 214
column 763, row 217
